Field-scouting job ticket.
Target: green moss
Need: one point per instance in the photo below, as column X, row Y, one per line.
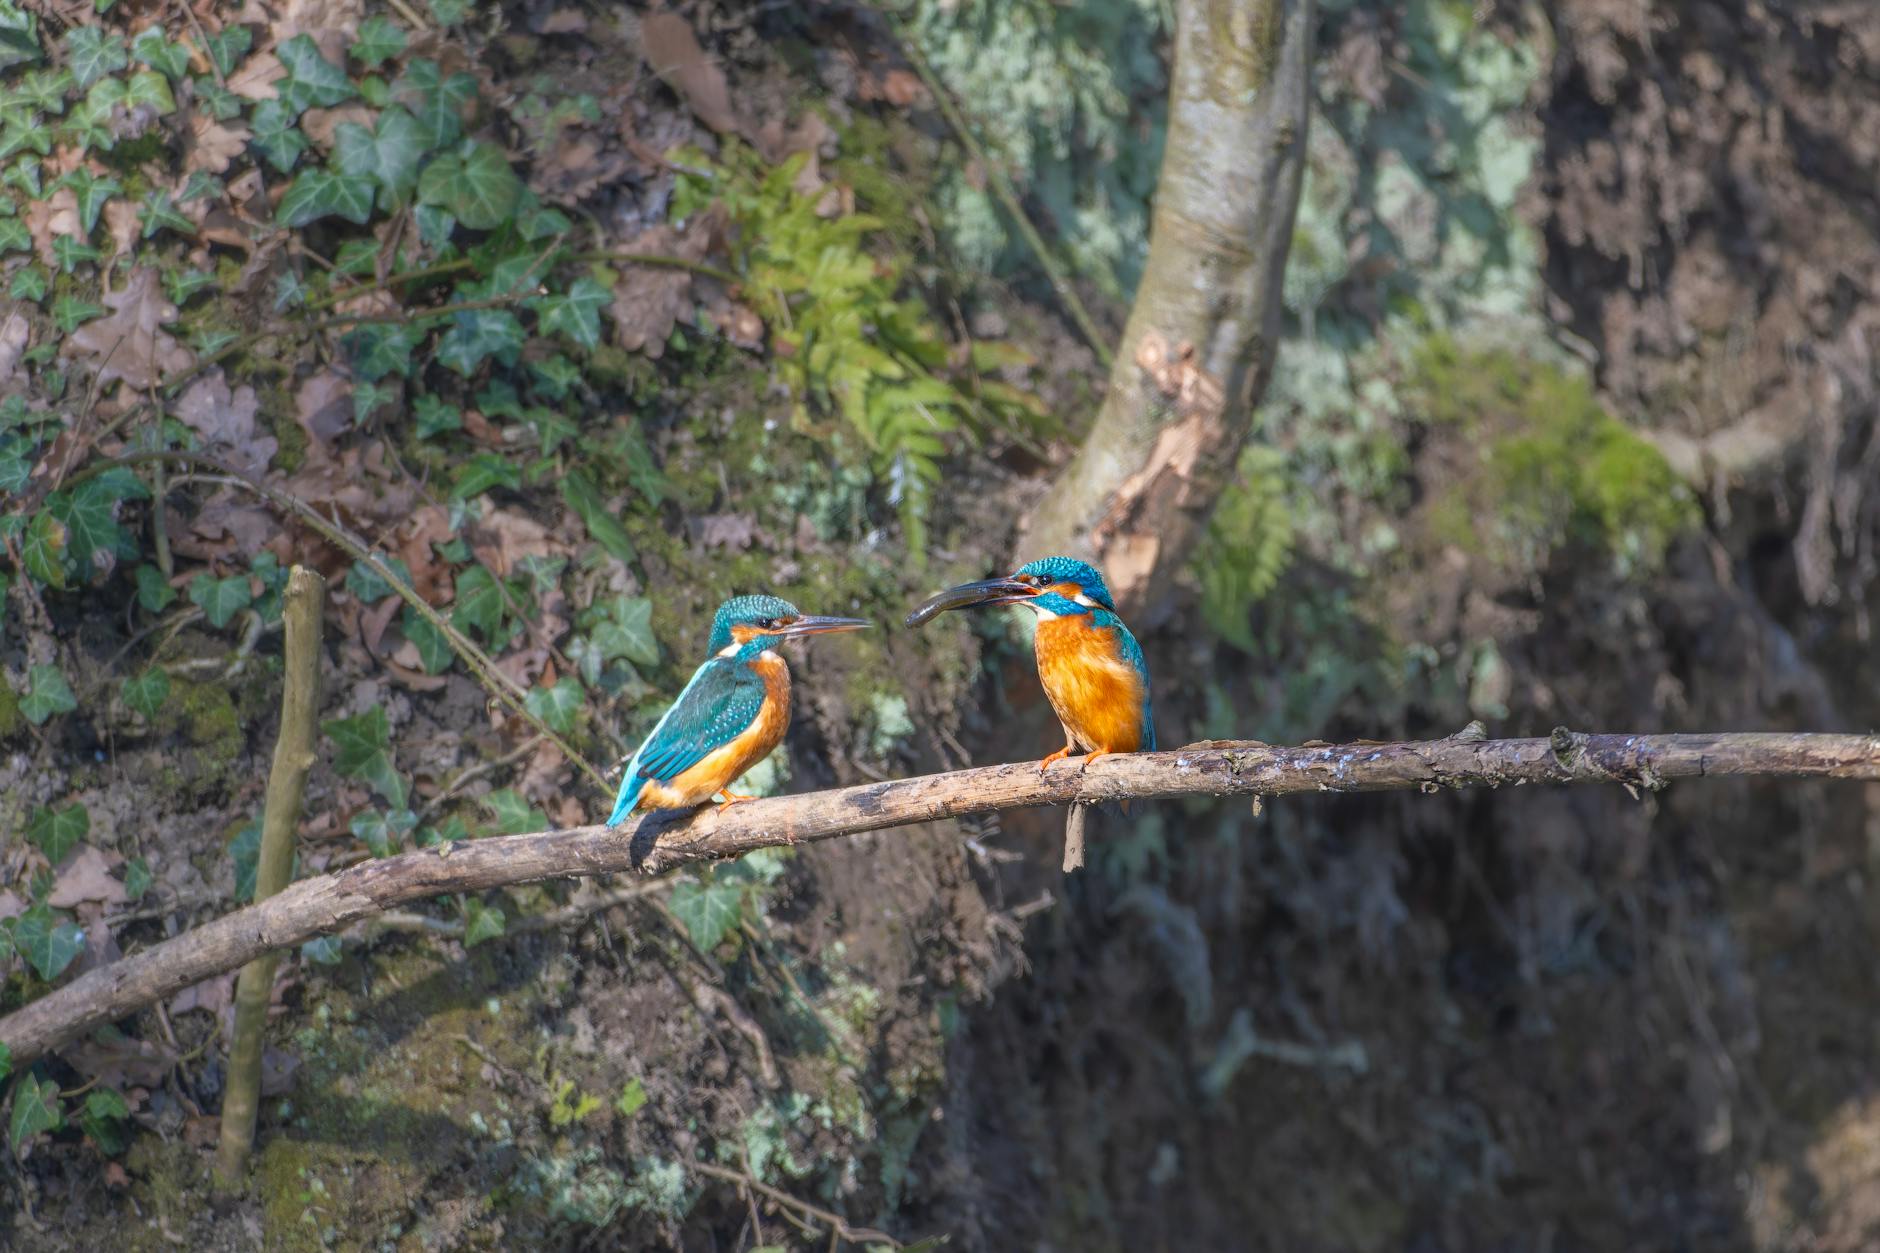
column 10, row 718
column 1552, row 467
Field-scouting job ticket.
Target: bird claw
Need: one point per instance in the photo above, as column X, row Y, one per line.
column 732, row 798
column 1058, row 756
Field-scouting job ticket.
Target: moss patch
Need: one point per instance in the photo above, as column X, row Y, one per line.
column 1551, row 467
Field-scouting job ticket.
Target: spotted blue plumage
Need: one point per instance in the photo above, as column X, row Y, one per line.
column 719, row 704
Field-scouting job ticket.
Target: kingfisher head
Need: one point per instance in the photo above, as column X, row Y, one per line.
column 758, row 621
column 1054, row 587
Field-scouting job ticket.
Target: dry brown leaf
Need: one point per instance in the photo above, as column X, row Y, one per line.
column 254, row 78
column 648, row 300
column 504, row 537
column 120, row 1061
column 226, row 422
column 319, row 124
column 413, row 544
column 130, row 343
column 57, row 214
column 673, row 52
column 86, row 876
column 211, row 996
column 214, row 145
column 15, row 330
column 121, row 223
column 323, row 406
column 735, row 531
column 225, row 527
column 562, row 22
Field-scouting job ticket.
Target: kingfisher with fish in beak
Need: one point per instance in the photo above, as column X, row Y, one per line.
column 1091, row 667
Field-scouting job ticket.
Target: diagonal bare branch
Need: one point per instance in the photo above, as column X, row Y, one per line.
column 660, row 842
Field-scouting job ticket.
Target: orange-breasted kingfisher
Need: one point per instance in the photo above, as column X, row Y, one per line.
column 1091, row 667
column 730, row 716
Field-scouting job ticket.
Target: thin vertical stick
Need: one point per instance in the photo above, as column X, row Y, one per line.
column 287, row 783
column 1074, row 837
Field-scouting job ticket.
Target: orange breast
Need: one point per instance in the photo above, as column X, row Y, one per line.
column 1097, row 695
column 720, row 768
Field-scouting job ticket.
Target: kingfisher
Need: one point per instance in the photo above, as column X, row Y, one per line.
column 730, row 716
column 1091, row 667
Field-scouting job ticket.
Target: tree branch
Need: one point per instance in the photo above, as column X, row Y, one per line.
column 659, row 842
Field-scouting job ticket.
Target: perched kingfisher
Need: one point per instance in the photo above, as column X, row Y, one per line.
column 1091, row 666
column 730, row 716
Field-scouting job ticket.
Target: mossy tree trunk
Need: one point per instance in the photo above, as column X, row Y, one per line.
column 1199, row 344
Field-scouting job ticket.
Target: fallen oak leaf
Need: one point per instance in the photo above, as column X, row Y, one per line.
column 130, row 343
column 225, row 420
column 86, row 876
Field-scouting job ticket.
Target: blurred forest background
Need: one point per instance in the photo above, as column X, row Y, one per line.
column 589, row 315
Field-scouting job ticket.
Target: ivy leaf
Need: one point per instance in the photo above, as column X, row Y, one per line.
column 434, row 225
column 433, row 652
column 148, row 87
column 322, row 193
column 709, row 910
column 436, row 416
column 43, row 549
column 311, row 80
column 387, row 154
column 476, row 185
column 228, row 46
column 245, row 851
column 557, row 706
column 146, row 692
column 381, row 348
column 575, row 313
column 220, row 599
column 137, row 878
column 276, row 135
column 482, row 472
column 364, row 752
column 479, row 604
column 481, row 922
column 102, row 1118
column 92, row 52
column 15, row 237
column 632, row 617
column 383, row 834
column 15, row 471
column 159, row 53
column 19, row 43
column 35, row 1104
column 602, row 527
column 158, row 212
column 479, row 333
column 513, row 814
column 89, row 512
column 154, row 592
column 435, row 100
column 369, row 585
column 50, row 941
column 378, row 41
column 29, row 282
column 324, row 949
column 56, row 831
column 91, row 192
column 48, row 693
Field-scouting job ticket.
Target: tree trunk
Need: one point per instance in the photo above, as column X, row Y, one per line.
column 1200, row 340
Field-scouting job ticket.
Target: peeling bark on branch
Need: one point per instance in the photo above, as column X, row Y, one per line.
column 1202, row 332
column 1211, row 768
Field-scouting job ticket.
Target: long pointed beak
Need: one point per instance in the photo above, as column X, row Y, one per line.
column 811, row 625
column 984, row 592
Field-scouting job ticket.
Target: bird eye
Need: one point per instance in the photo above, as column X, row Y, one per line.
column 767, row 624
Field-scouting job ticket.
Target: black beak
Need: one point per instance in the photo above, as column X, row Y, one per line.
column 984, row 592
column 812, row 625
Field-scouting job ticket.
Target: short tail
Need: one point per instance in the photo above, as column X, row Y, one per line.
column 629, row 794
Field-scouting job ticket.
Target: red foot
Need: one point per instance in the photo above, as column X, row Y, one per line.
column 1102, row 752
column 732, row 798
column 1060, row 755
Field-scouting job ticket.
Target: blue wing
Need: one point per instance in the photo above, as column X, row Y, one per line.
column 722, row 700
column 1132, row 653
